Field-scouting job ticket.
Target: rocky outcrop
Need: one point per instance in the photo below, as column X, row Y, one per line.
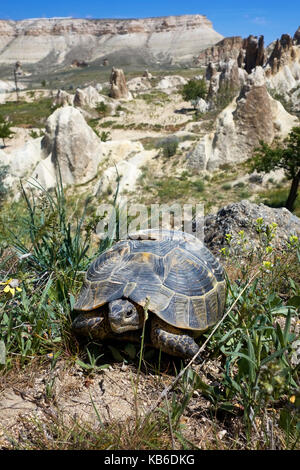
column 297, row 37
column 283, row 53
column 79, row 63
column 139, row 84
column 7, row 86
column 164, row 40
column 124, row 174
column 243, row 215
column 21, row 161
column 63, row 98
column 171, row 83
column 225, row 76
column 248, row 53
column 254, row 52
column 226, row 49
column 87, row 97
column 240, row 127
column 72, row 146
column 118, row 86
column 248, row 74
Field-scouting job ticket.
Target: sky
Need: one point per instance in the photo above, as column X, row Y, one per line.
column 229, row 17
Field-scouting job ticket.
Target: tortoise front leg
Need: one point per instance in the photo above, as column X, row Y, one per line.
column 172, row 340
column 92, row 325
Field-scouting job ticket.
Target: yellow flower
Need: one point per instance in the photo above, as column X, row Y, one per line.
column 267, row 264
column 292, row 399
column 11, row 286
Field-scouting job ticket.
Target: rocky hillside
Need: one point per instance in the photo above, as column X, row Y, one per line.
column 260, row 87
column 53, row 41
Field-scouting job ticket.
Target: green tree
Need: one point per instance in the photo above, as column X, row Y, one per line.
column 194, row 90
column 285, row 155
column 5, row 129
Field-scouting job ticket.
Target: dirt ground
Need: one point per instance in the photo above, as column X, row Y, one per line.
column 38, row 393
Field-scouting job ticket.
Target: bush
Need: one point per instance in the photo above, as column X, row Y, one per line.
column 258, row 337
column 169, row 146
column 193, row 90
column 226, row 186
column 198, row 185
column 5, row 129
column 102, row 109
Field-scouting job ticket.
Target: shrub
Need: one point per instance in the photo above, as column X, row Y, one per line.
column 169, row 146
column 198, row 185
column 102, row 109
column 5, row 129
column 258, row 339
column 193, row 90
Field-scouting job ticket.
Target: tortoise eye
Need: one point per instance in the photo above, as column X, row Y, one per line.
column 129, row 313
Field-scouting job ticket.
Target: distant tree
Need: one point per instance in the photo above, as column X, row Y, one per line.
column 5, row 129
column 285, row 155
column 193, row 90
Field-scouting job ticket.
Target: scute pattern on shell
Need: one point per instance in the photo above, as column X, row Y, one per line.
column 178, row 276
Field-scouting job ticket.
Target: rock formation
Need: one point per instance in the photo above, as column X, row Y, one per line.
column 21, row 161
column 72, row 145
column 139, row 84
column 124, row 173
column 165, row 40
column 297, row 37
column 242, row 216
column 118, row 86
column 227, row 48
column 240, row 127
column 87, row 97
column 63, row 98
column 171, row 83
column 69, row 143
column 254, row 52
column 248, row 74
column 246, row 54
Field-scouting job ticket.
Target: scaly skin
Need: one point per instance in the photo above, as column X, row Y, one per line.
column 169, row 339
column 172, row 340
column 91, row 324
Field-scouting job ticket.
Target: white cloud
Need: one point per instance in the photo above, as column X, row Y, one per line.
column 260, row 20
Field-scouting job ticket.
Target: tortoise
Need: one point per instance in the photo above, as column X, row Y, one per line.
column 169, row 272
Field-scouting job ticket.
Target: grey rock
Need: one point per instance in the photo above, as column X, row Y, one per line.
column 235, row 217
column 73, row 145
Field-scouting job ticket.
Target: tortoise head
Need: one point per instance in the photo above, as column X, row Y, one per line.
column 123, row 316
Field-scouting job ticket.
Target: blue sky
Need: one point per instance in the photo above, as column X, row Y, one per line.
column 230, row 17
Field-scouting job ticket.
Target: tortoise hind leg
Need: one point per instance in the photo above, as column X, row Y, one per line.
column 172, row 340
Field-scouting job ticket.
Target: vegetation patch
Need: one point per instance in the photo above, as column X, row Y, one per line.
column 23, row 114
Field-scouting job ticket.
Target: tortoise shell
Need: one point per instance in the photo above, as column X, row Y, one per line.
column 171, row 271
